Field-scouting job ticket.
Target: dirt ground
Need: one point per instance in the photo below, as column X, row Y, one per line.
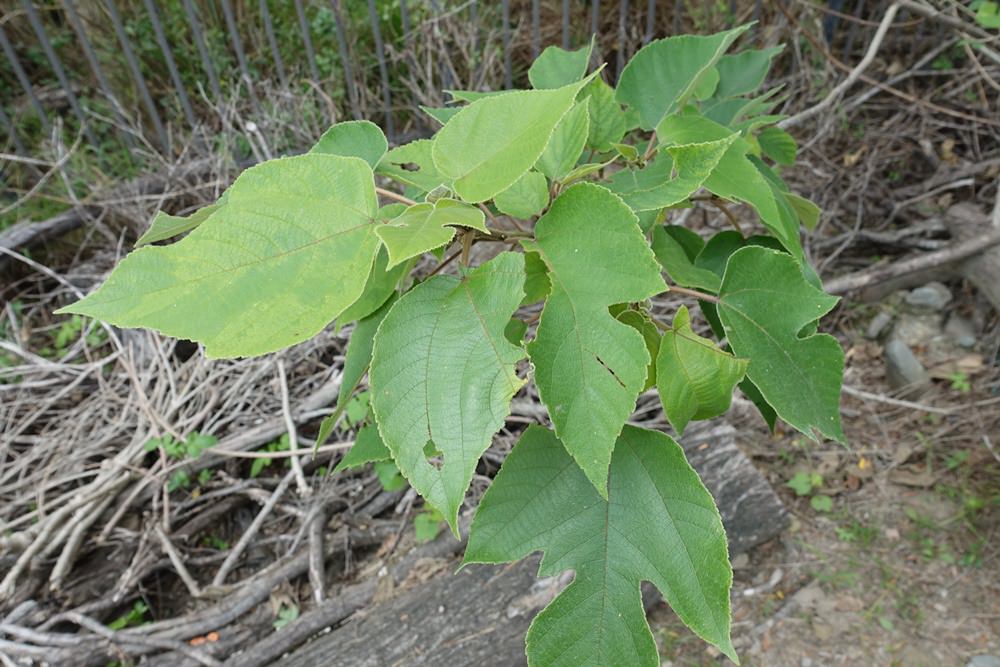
column 902, row 569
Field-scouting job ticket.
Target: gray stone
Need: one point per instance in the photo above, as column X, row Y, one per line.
column 902, row 368
column 961, row 331
column 983, row 661
column 878, row 325
column 930, row 298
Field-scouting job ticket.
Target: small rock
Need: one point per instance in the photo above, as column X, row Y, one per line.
column 810, row 597
column 878, row 325
column 740, row 561
column 984, row 661
column 961, row 331
column 902, row 368
column 930, row 298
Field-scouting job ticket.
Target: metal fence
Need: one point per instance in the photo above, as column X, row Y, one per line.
column 151, row 64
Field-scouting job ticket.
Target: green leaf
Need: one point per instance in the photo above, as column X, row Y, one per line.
column 359, row 353
column 801, row 483
column 627, row 151
column 715, row 255
column 642, row 323
column 441, row 114
column 368, row 448
column 557, row 67
column 778, row 145
column 666, row 72
column 423, row 227
column 589, row 367
column 443, row 374
column 821, row 503
column 389, row 476
column 582, row 171
column 412, row 164
column 536, row 281
column 356, row 362
column 381, row 284
column 736, row 177
column 676, row 262
column 988, row 15
column 474, row 95
column 607, row 120
column 566, row 144
column 528, row 196
column 515, row 331
column 696, row 378
column 764, row 302
column 692, row 164
column 735, row 109
column 427, row 525
column 807, row 211
column 165, row 226
column 751, row 391
column 354, row 138
column 707, row 84
column 290, row 250
column 659, row 524
column 491, row 143
column 744, row 72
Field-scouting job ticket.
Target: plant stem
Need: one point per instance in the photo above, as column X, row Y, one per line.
column 650, row 148
column 695, row 293
column 447, row 260
column 392, row 195
column 729, row 214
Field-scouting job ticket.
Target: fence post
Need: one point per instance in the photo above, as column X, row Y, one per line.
column 168, row 57
column 272, row 42
column 383, row 69
column 140, row 82
column 95, row 66
column 241, row 57
column 22, row 78
column 206, row 57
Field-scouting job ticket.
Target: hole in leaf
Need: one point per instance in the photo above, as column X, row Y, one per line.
column 433, row 455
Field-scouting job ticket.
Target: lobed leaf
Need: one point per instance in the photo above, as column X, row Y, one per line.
column 589, row 367
column 443, row 375
column 658, row 524
column 764, row 303
column 290, row 250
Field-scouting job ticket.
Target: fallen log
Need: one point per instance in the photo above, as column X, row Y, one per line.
column 479, row 616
